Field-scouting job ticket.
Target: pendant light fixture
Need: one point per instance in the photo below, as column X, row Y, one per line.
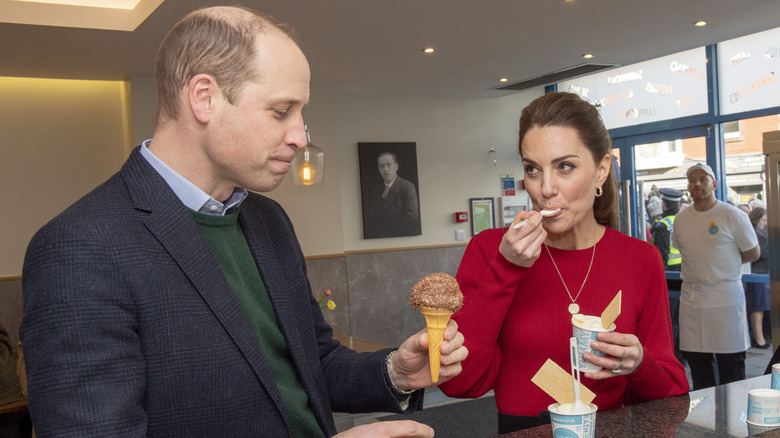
column 308, row 166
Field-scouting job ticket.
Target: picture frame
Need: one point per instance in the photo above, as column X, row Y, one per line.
column 389, row 189
column 482, row 214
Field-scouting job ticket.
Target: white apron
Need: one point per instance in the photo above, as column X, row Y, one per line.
column 713, row 318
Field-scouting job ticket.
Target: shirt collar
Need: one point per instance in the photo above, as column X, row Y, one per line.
column 189, row 194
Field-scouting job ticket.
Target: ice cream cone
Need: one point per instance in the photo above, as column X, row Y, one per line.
column 436, row 321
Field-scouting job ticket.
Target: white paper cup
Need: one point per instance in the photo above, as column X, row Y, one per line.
column 764, row 407
column 585, row 336
column 568, row 425
column 776, row 376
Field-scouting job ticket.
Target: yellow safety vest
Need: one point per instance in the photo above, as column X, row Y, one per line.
column 674, row 254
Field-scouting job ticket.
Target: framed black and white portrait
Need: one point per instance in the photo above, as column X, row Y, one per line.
column 389, row 189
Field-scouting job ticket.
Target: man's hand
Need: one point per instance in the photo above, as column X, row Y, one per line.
column 389, row 429
column 409, row 367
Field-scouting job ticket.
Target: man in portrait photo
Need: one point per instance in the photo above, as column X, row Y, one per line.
column 391, row 207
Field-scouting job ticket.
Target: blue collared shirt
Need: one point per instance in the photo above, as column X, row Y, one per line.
column 190, row 195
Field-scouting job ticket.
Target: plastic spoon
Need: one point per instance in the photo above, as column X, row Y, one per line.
column 578, row 407
column 544, row 213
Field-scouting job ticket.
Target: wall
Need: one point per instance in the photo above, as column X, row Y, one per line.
column 371, row 289
column 49, row 127
column 58, row 140
column 453, row 136
column 315, row 211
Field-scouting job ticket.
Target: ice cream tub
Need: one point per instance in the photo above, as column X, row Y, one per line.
column 585, row 328
column 764, row 407
column 776, row 376
column 568, row 425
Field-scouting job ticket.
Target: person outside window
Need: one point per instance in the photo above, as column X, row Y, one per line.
column 757, row 296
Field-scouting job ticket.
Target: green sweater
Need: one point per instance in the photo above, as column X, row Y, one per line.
column 228, row 243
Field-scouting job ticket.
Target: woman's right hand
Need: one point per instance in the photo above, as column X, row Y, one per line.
column 523, row 245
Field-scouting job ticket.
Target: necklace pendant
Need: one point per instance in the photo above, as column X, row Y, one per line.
column 574, row 308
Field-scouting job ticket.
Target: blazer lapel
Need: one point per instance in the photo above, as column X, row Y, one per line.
column 287, row 314
column 174, row 227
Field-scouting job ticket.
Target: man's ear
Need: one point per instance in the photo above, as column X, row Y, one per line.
column 202, row 95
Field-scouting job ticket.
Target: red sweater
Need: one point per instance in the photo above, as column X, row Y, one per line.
column 515, row 318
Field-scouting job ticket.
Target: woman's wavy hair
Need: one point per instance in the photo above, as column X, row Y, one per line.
column 569, row 110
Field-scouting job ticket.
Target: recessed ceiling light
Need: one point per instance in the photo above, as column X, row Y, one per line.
column 700, row 23
column 429, row 50
column 587, row 55
column 503, row 80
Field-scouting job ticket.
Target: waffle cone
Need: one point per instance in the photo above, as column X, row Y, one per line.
column 436, row 321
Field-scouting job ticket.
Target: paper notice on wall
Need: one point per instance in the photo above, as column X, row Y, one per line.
column 507, row 185
column 510, row 205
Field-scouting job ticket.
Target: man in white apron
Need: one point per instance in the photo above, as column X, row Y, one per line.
column 715, row 239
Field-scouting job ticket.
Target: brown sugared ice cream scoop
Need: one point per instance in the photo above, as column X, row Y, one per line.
column 437, row 296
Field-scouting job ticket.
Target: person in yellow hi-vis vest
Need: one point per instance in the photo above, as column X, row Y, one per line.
column 661, row 231
column 663, row 228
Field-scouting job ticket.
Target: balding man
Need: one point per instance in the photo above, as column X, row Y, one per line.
column 173, row 299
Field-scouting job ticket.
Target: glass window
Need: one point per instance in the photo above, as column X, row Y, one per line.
column 747, row 72
column 660, row 89
column 663, row 164
column 745, row 176
column 731, row 131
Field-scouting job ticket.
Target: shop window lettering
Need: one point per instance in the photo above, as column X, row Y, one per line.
column 625, row 77
column 581, row 91
column 636, row 113
column 739, row 57
column 614, row 98
column 685, row 70
column 756, row 85
column 654, row 87
column 684, row 101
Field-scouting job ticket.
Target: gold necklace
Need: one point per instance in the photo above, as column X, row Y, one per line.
column 573, row 307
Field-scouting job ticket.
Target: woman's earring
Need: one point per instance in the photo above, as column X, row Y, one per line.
column 599, row 192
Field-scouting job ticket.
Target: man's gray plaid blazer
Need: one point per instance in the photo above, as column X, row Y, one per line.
column 130, row 327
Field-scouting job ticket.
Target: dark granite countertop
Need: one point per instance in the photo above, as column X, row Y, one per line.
column 713, row 412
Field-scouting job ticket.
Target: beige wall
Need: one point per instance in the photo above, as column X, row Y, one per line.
column 453, row 136
column 48, row 125
column 315, row 211
column 58, row 140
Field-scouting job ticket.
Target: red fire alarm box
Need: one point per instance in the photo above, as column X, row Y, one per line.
column 461, row 216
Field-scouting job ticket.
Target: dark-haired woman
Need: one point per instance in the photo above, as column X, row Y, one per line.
column 523, row 283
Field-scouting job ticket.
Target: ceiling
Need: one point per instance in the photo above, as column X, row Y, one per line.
column 376, row 45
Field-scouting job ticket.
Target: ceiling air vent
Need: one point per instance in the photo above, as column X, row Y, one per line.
column 560, row 75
